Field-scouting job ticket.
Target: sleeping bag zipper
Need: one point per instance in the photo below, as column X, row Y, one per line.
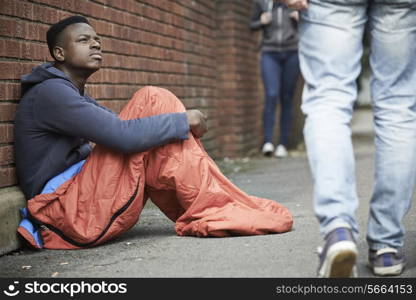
column 78, row 244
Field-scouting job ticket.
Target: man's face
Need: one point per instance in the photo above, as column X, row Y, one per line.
column 81, row 47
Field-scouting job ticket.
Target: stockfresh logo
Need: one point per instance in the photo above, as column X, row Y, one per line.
column 12, row 290
column 65, row 288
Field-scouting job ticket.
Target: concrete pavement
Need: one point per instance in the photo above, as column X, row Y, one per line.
column 11, row 199
column 151, row 248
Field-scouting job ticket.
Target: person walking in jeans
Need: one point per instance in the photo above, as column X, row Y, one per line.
column 330, row 49
column 279, row 67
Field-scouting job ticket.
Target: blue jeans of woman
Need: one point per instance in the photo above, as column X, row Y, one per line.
column 280, row 71
column 331, row 34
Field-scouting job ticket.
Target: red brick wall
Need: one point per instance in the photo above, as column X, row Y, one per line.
column 202, row 50
column 239, row 79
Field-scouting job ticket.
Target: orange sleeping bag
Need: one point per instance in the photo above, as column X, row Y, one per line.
column 107, row 196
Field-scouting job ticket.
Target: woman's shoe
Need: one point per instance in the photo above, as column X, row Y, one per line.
column 268, row 149
column 281, row 151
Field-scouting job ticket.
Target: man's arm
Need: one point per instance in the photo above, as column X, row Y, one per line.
column 99, row 105
column 60, row 109
column 196, row 119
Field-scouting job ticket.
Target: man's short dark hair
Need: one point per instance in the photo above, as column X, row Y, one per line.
column 53, row 32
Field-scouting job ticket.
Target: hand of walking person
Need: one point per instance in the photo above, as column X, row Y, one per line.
column 266, row 18
column 295, row 15
column 296, row 4
column 197, row 122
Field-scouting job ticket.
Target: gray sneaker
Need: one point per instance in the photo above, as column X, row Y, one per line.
column 386, row 262
column 338, row 257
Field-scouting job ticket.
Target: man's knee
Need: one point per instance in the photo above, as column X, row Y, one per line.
column 157, row 100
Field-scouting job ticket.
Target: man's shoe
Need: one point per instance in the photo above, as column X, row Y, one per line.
column 280, row 151
column 338, row 257
column 268, row 149
column 386, row 262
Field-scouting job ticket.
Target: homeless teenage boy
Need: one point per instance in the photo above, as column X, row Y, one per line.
column 79, row 196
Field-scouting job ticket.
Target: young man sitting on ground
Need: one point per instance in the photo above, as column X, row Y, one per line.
column 79, row 196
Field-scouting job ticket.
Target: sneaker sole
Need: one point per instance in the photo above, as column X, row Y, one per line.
column 388, row 271
column 340, row 261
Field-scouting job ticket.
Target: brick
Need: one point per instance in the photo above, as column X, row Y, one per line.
column 7, row 7
column 26, row 50
column 7, row 176
column 8, row 27
column 7, row 111
column 18, row 8
column 9, row 90
column 6, row 155
column 6, row 133
column 45, row 14
column 25, row 10
column 14, row 70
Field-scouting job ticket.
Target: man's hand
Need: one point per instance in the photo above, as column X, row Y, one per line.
column 197, row 122
column 295, row 15
column 296, row 4
column 266, row 18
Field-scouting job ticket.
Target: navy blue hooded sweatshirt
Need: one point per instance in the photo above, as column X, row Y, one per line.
column 55, row 122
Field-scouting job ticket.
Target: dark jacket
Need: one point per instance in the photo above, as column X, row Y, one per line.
column 55, row 122
column 279, row 35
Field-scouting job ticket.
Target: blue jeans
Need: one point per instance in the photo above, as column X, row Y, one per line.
column 280, row 72
column 331, row 35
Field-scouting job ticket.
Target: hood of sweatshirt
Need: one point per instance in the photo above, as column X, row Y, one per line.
column 39, row 74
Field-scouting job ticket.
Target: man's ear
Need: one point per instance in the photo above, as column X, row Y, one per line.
column 59, row 53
